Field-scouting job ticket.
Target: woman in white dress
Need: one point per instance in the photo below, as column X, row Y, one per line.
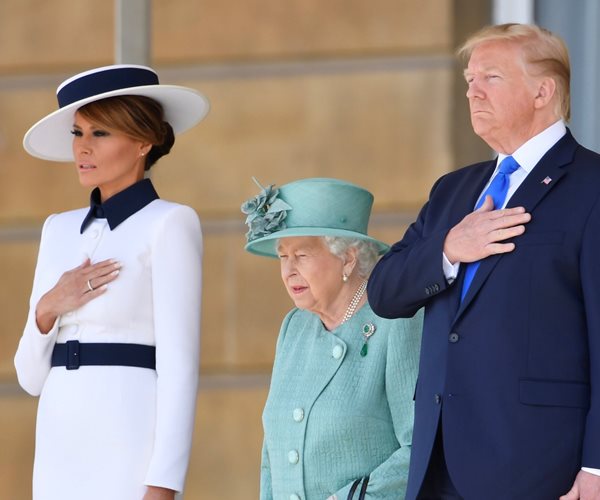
column 111, row 343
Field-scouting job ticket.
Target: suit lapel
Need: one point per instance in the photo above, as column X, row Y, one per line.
column 468, row 191
column 540, row 181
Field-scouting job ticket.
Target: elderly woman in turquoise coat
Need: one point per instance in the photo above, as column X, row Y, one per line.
column 339, row 415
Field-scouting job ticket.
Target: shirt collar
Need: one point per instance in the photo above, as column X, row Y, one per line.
column 121, row 206
column 530, row 153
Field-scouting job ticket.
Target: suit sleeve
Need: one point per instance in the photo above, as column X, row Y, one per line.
column 34, row 353
column 590, row 277
column 411, row 273
column 176, row 295
column 389, row 480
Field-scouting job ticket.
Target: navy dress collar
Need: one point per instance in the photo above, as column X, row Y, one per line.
column 120, row 206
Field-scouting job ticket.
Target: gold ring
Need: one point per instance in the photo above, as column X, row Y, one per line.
column 90, row 287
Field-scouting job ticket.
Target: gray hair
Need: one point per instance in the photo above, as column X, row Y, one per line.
column 367, row 252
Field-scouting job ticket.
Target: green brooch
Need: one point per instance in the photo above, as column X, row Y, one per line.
column 368, row 330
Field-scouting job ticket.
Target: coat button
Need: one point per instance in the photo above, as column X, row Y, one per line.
column 427, row 291
column 293, row 457
column 437, row 398
column 298, row 414
column 453, row 338
column 337, row 352
column 293, row 496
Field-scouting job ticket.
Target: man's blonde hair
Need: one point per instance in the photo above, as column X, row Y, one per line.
column 544, row 53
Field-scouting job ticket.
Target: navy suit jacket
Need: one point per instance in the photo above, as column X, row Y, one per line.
column 513, row 372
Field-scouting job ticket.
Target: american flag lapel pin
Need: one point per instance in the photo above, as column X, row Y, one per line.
column 547, row 180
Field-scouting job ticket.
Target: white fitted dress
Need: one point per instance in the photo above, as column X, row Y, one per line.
column 104, row 432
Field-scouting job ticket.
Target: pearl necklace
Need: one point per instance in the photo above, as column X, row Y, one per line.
column 354, row 302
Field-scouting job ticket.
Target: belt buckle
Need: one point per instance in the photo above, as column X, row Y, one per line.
column 73, row 356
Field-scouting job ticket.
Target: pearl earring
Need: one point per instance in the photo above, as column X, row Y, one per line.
column 344, row 277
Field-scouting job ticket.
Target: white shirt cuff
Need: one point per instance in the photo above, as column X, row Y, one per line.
column 450, row 270
column 596, row 472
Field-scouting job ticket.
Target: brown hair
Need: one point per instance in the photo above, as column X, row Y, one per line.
column 138, row 117
column 544, row 53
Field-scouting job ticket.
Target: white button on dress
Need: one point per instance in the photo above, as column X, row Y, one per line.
column 298, row 415
column 338, row 351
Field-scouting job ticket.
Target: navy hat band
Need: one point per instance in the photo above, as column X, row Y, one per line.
column 104, row 81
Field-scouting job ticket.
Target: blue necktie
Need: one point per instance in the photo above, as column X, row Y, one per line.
column 497, row 190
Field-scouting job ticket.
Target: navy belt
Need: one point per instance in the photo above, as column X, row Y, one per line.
column 73, row 354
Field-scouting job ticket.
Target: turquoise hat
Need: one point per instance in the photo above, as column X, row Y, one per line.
column 307, row 207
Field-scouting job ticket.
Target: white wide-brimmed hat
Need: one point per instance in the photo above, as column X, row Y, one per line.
column 51, row 138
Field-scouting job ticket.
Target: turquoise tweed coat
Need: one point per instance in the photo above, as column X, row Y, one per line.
column 332, row 415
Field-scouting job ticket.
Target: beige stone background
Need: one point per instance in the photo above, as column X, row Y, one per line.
column 368, row 91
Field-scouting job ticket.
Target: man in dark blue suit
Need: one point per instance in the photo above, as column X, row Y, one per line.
column 505, row 258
